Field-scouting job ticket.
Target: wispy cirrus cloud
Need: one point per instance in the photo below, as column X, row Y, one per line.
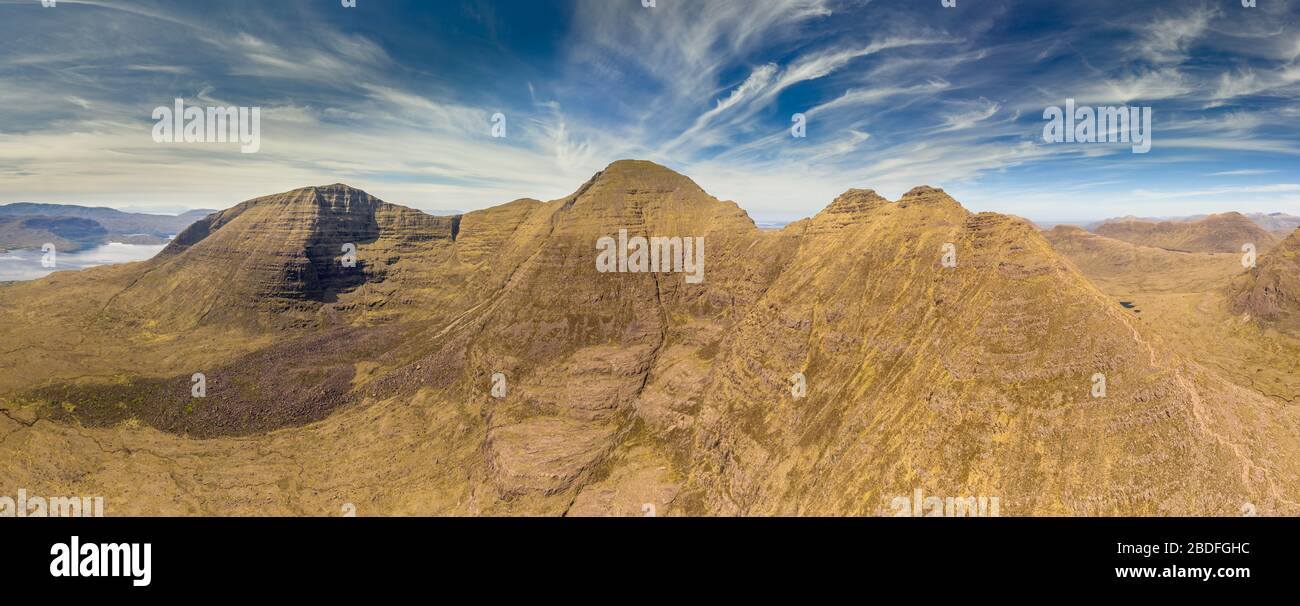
column 1244, row 172
column 398, row 98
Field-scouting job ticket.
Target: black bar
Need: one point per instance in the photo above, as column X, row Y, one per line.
column 234, row 556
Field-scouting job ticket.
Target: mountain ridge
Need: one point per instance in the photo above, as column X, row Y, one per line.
column 72, row 227
column 940, row 349
column 1225, row 232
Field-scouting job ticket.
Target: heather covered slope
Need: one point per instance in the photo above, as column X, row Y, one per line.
column 624, row 389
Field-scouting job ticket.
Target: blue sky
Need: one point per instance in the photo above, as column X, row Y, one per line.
column 396, row 97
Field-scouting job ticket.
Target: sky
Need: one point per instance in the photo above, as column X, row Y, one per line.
column 398, row 97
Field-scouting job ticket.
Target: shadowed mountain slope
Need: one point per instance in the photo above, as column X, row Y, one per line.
column 272, row 259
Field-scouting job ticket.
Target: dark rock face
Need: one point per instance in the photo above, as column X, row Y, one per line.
column 282, row 254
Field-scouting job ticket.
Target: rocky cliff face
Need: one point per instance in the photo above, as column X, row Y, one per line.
column 1270, row 292
column 874, row 349
column 275, row 260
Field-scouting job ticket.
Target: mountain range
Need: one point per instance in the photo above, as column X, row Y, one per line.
column 70, row 227
column 1226, row 232
column 349, row 351
column 1278, row 223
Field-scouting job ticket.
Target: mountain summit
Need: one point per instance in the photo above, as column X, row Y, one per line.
column 280, row 254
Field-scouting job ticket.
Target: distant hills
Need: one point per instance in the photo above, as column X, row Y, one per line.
column 1225, row 233
column 1281, row 224
column 71, row 227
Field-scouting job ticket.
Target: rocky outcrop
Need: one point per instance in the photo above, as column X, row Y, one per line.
column 1270, row 292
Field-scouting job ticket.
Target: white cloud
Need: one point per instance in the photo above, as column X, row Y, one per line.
column 1216, row 191
column 1167, row 40
column 1144, row 87
column 1245, row 172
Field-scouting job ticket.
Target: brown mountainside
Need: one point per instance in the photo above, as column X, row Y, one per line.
column 941, row 350
column 275, row 259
